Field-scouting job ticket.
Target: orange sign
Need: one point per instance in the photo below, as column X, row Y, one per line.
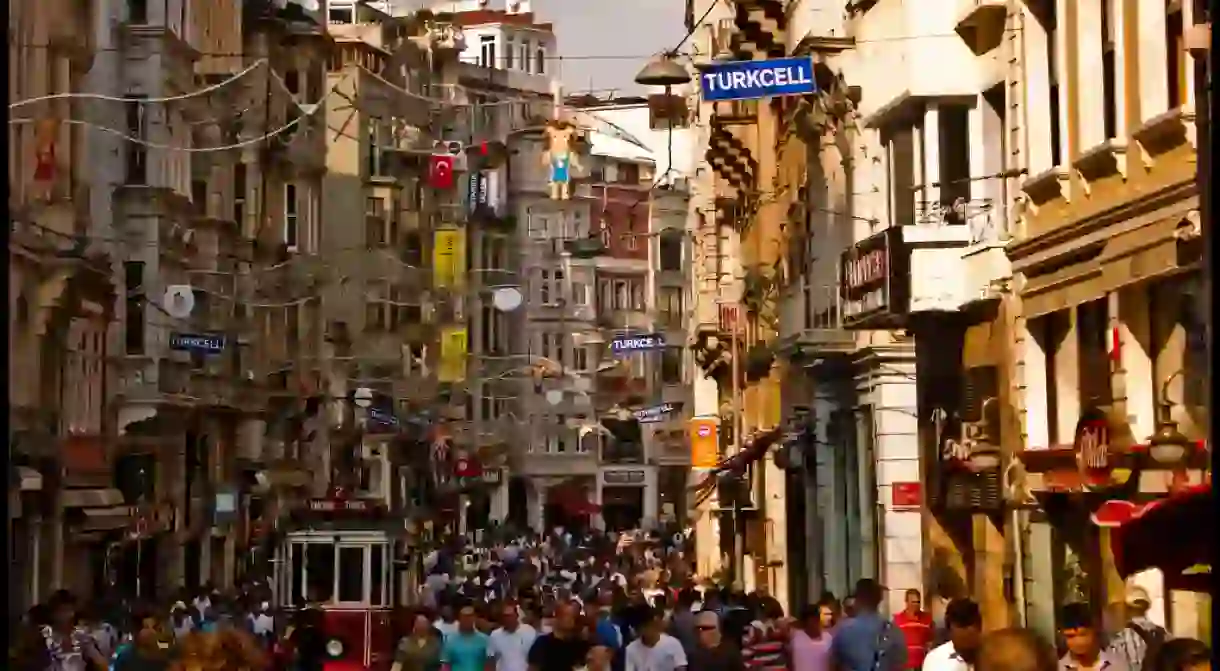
column 704, row 442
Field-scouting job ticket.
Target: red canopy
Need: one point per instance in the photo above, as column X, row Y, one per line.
column 1173, row 534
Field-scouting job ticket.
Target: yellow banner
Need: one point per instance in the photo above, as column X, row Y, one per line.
column 449, row 259
column 453, row 354
column 704, row 442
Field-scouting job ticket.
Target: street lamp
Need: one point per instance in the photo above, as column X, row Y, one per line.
column 663, row 70
column 1168, row 446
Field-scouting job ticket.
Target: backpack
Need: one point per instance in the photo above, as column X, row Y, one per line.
column 883, row 643
column 1153, row 639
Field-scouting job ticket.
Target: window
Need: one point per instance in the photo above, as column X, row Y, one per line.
column 239, row 194
column 375, row 234
column 670, row 252
column 136, row 154
column 487, row 51
column 544, row 287
column 292, row 81
column 378, row 137
column 319, row 574
column 137, row 12
column 671, row 306
column 1109, row 78
column 633, row 241
column 1050, row 22
column 1092, row 336
column 1175, row 53
column 582, row 359
column 133, row 276
column 901, row 154
column 526, row 57
column 291, row 222
column 487, row 321
column 510, row 50
column 540, row 60
column 375, row 318
column 342, row 15
column 628, row 173
column 580, row 293
column 412, row 249
column 671, row 365
column 351, row 574
column 954, row 140
column 377, row 582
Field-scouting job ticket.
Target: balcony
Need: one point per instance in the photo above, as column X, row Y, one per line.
column 980, row 23
column 811, row 325
column 624, row 320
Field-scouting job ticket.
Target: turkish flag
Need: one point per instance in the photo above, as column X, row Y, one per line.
column 440, row 171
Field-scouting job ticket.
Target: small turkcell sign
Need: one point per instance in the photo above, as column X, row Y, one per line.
column 637, row 343
column 197, row 343
column 747, row 80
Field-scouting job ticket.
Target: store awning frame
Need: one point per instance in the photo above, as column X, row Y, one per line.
column 1173, row 534
column 100, row 497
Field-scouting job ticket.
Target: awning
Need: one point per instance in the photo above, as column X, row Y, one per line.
column 30, row 479
column 1173, row 534
column 91, row 498
column 110, row 518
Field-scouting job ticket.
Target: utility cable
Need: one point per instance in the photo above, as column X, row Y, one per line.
column 141, row 101
column 307, row 113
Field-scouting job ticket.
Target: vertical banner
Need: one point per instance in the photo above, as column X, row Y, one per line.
column 453, row 354
column 704, row 442
column 449, row 259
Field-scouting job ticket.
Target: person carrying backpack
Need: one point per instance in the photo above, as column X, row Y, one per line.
column 1140, row 638
column 869, row 641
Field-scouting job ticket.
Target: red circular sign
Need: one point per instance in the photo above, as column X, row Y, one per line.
column 704, row 431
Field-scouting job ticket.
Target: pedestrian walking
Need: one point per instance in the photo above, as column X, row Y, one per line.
column 1083, row 640
column 915, row 623
column 420, row 649
column 466, row 648
column 713, row 651
column 1140, row 638
column 654, row 650
column 810, row 643
column 510, row 644
column 964, row 622
column 868, row 641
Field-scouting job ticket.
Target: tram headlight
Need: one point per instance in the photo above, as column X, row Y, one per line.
column 335, row 648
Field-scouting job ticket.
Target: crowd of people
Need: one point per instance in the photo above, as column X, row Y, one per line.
column 595, row 602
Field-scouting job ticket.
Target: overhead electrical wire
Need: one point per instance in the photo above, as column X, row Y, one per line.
column 141, row 101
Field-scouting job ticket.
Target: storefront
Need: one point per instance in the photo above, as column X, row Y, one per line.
column 1076, row 490
column 628, row 496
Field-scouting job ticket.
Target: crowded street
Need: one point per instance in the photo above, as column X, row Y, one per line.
column 610, row 335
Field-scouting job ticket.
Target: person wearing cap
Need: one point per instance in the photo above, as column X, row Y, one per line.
column 1139, row 635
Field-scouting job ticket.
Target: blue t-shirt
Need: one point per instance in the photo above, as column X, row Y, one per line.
column 465, row 652
column 856, row 642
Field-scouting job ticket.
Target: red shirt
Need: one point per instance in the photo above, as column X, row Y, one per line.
column 917, row 630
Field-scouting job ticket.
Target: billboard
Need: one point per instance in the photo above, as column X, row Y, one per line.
column 453, row 354
column 449, row 258
column 704, row 442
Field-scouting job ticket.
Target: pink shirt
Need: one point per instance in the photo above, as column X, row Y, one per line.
column 809, row 654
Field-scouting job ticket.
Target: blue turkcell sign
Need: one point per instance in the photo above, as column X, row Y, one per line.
column 745, row 80
column 657, row 413
column 637, row 343
column 197, row 343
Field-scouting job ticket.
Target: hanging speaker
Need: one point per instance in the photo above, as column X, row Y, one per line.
column 179, row 300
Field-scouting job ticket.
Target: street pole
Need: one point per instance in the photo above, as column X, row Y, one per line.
column 735, row 371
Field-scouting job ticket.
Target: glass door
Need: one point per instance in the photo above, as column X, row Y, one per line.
column 352, row 574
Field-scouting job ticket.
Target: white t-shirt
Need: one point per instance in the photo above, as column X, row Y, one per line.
column 944, row 657
column 511, row 649
column 446, row 628
column 666, row 655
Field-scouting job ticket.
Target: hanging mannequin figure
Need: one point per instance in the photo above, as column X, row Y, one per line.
column 559, row 157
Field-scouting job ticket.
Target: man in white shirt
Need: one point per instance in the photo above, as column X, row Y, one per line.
column 510, row 644
column 965, row 624
column 655, row 650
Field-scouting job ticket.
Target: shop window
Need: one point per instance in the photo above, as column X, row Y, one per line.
column 1093, row 359
column 954, row 142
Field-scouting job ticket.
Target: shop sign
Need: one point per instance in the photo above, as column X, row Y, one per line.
column 1092, row 441
column 623, row 477
column 656, row 413
column 875, row 280
column 906, row 496
column 340, row 505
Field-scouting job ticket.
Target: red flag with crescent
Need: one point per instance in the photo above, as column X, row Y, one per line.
column 440, row 171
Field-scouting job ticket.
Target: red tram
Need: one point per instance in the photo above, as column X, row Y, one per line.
column 340, row 557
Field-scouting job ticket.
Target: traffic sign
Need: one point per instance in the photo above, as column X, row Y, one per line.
column 745, row 80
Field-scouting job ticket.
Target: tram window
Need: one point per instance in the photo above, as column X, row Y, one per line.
column 298, row 573
column 320, row 571
column 377, row 575
column 351, row 574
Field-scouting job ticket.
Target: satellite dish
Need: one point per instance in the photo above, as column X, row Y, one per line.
column 179, row 301
column 506, row 299
column 554, row 396
column 363, row 397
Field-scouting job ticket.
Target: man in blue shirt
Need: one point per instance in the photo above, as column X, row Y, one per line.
column 466, row 648
column 868, row 641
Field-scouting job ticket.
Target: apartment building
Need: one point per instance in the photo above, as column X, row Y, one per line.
column 1106, row 256
column 61, row 296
